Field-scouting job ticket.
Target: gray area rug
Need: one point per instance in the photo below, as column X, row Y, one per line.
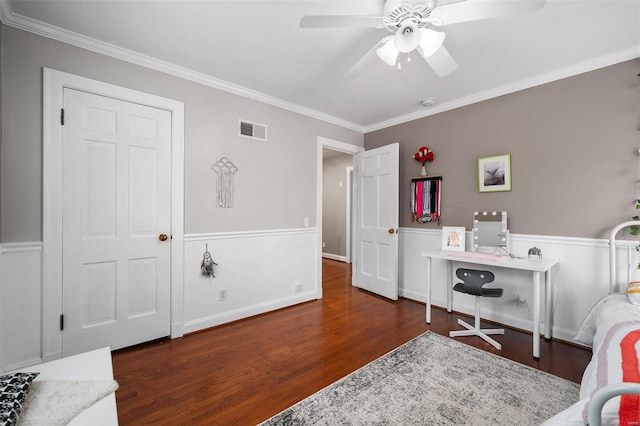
column 435, row 380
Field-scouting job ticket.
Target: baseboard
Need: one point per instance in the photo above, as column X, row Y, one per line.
column 219, row 319
column 335, row 257
column 177, row 330
column 408, row 294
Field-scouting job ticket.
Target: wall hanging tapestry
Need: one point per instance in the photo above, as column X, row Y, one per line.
column 225, row 170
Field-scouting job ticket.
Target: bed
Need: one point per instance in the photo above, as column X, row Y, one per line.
column 610, row 387
column 77, row 390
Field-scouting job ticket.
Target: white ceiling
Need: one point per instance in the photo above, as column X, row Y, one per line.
column 257, row 49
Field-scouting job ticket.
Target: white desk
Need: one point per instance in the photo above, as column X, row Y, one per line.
column 534, row 264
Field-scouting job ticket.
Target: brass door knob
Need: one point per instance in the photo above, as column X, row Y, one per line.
column 391, row 231
column 163, row 237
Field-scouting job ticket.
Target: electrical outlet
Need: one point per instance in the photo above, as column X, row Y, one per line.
column 222, row 294
column 324, row 244
column 306, row 222
column 297, row 288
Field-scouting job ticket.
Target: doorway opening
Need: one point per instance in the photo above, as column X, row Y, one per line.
column 337, row 244
column 336, row 205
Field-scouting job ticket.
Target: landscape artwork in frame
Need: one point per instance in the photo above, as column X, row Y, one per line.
column 453, row 238
column 494, row 173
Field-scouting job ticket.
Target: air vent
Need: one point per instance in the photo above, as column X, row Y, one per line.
column 251, row 130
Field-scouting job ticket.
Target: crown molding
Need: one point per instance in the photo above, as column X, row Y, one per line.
column 9, row 18
column 590, row 65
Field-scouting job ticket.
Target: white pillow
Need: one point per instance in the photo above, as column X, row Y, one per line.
column 633, row 292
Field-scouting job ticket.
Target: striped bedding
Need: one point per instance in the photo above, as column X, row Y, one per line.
column 613, row 329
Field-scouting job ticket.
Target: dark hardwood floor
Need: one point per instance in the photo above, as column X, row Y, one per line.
column 244, row 372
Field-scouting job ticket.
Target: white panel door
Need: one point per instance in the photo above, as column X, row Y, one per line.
column 376, row 221
column 116, row 188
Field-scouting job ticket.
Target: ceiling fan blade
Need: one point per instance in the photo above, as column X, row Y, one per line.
column 335, row 21
column 356, row 69
column 441, row 61
column 472, row 10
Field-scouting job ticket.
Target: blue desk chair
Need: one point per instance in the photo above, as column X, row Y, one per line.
column 473, row 282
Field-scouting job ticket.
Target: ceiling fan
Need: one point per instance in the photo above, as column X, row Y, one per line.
column 410, row 23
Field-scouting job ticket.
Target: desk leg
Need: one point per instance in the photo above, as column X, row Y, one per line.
column 548, row 304
column 428, row 290
column 536, row 315
column 449, row 286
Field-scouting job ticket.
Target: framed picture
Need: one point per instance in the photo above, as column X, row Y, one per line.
column 453, row 238
column 494, row 173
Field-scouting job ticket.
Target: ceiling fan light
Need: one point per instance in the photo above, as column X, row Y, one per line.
column 388, row 52
column 407, row 37
column 430, row 41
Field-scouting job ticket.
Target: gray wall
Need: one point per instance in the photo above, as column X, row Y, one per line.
column 573, row 146
column 1, row 170
column 334, row 204
column 275, row 182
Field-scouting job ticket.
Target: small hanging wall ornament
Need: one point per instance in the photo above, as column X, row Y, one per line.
column 207, row 263
column 225, row 170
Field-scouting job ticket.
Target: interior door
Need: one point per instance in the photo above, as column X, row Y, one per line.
column 376, row 221
column 116, row 187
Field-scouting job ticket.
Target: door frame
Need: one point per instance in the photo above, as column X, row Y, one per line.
column 335, row 145
column 349, row 173
column 54, row 83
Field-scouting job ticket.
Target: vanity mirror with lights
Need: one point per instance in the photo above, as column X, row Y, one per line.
column 489, row 233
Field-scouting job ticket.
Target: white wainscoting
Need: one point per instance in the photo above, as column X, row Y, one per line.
column 20, row 304
column 580, row 280
column 259, row 271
